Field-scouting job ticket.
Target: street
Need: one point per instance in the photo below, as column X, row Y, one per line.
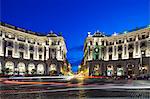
column 51, row 88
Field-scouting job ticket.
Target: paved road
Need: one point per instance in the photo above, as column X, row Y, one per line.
column 74, row 89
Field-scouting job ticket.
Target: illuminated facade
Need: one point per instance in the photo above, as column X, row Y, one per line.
column 26, row 52
column 121, row 54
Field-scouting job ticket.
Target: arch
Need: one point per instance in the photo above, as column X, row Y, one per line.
column 9, row 67
column 21, row 68
column 96, row 70
column 130, row 70
column 120, row 70
column 31, row 68
column 40, row 69
column 110, row 70
column 144, row 69
column 52, row 67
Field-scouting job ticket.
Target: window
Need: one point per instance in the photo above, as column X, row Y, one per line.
column 120, row 48
column 9, row 44
column 40, row 56
column 130, row 46
column 58, row 42
column 110, row 49
column 110, row 57
column 96, row 43
column 119, row 41
column 1, row 33
column 119, row 56
column 53, row 50
column 88, row 50
column 125, row 49
column 31, row 48
column 96, row 56
column 137, row 47
column 21, row 46
column 9, row 53
column 31, row 56
column 143, row 44
column 115, row 50
column 47, row 43
column 20, row 38
column 54, row 43
column 130, row 39
column 40, row 50
column 143, row 37
column 130, row 54
column 102, row 42
column 90, row 42
column 21, row 55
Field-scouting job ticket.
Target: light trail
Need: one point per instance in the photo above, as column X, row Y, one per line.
column 110, row 87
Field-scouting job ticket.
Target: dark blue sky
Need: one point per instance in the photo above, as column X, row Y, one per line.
column 74, row 18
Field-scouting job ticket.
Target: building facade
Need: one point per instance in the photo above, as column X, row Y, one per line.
column 26, row 52
column 121, row 54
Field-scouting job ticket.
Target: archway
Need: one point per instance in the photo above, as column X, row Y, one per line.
column 120, row 71
column 31, row 69
column 40, row 69
column 110, row 70
column 144, row 69
column 9, row 68
column 96, row 70
column 21, row 68
column 130, row 70
column 52, row 69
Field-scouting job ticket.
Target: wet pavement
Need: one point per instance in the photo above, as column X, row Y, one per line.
column 75, row 89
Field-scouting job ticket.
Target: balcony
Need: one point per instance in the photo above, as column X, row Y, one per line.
column 143, row 37
column 119, row 42
column 130, row 39
column 130, row 47
column 22, row 39
column 40, row 50
column 31, row 41
column 120, row 48
column 143, row 45
column 31, row 48
column 21, row 46
column 110, row 49
column 9, row 44
column 10, row 36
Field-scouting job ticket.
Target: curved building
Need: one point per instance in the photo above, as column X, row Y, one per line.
column 26, row 52
column 121, row 54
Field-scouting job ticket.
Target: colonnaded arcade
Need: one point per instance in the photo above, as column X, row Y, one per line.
column 26, row 52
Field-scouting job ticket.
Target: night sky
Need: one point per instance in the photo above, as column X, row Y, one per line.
column 74, row 18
